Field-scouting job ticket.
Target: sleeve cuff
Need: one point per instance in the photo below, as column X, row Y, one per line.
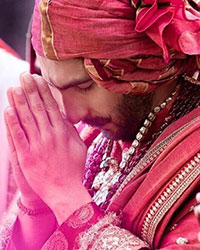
column 79, row 222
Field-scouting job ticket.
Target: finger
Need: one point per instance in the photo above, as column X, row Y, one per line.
column 19, row 139
column 36, row 104
column 49, row 102
column 13, row 155
column 10, row 97
column 24, row 114
column 10, row 141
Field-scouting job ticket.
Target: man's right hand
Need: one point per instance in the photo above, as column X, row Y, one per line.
column 28, row 197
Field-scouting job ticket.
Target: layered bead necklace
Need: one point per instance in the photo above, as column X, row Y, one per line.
column 111, row 170
column 104, row 174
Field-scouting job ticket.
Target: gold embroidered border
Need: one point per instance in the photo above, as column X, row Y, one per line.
column 47, row 35
column 116, row 238
column 88, row 237
column 150, row 157
column 169, row 196
column 92, row 70
column 106, row 234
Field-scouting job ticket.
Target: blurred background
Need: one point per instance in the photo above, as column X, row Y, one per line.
column 14, row 20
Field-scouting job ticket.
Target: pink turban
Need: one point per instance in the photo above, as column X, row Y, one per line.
column 127, row 47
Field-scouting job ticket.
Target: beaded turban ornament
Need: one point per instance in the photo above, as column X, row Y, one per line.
column 128, row 46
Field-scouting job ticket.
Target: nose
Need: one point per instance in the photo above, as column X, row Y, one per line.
column 75, row 108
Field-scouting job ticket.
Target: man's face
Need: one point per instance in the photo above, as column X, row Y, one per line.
column 118, row 116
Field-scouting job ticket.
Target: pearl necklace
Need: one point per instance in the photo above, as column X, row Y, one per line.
column 111, row 170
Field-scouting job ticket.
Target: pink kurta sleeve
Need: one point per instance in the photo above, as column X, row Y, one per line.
column 89, row 228
column 6, row 231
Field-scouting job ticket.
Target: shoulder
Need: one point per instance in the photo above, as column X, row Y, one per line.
column 191, row 120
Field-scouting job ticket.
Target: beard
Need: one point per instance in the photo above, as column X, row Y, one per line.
column 127, row 117
column 131, row 112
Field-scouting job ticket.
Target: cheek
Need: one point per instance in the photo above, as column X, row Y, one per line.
column 106, row 102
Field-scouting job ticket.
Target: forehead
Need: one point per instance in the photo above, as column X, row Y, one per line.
column 63, row 72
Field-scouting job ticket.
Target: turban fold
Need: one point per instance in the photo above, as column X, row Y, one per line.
column 127, row 46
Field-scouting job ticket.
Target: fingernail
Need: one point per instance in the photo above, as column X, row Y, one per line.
column 18, row 91
column 10, row 111
column 27, row 78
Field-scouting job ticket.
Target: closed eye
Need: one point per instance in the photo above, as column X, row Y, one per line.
column 85, row 86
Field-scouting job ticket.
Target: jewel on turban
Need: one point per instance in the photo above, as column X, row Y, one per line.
column 128, row 46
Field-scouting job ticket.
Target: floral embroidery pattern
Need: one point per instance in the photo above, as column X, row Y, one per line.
column 79, row 222
column 57, row 241
column 81, row 216
column 106, row 234
column 6, row 230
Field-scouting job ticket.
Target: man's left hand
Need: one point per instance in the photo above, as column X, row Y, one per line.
column 50, row 152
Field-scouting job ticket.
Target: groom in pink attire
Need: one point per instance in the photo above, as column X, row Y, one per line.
column 126, row 176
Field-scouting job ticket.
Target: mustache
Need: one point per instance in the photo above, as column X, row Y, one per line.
column 97, row 121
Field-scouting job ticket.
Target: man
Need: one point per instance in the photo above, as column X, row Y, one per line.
column 120, row 71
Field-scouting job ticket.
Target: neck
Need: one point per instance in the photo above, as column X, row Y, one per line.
column 163, row 92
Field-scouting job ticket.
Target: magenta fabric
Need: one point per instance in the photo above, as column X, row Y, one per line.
column 113, row 29
column 166, row 167
column 128, row 48
column 79, row 222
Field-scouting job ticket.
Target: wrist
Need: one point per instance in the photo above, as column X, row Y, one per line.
column 68, row 202
column 40, row 210
column 32, row 203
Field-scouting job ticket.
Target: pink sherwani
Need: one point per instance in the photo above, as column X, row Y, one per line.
column 153, row 207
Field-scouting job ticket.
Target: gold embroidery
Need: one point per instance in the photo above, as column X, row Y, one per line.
column 57, row 241
column 47, row 31
column 81, row 216
column 150, row 157
column 92, row 233
column 6, row 233
column 6, row 228
column 139, row 87
column 169, row 196
column 116, row 73
column 92, row 70
column 106, row 235
column 105, row 62
column 116, row 238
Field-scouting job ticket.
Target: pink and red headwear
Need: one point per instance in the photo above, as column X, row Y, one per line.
column 128, row 46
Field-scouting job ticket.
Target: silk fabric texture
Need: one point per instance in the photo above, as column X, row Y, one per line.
column 128, row 47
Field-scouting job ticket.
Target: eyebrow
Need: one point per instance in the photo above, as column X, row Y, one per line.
column 69, row 84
